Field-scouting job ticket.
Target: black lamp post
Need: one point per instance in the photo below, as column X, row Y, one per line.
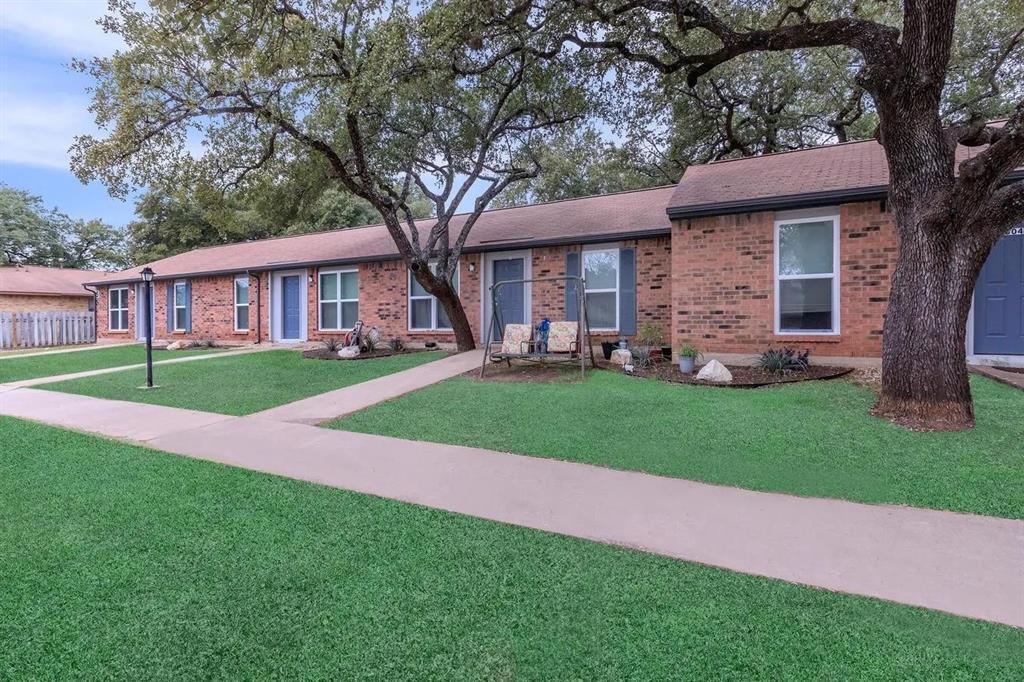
column 147, row 278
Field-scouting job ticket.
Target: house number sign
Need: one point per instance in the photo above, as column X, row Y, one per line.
column 1014, row 231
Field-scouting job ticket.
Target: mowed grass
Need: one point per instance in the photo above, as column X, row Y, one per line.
column 241, row 384
column 17, row 368
column 813, row 438
column 126, row 563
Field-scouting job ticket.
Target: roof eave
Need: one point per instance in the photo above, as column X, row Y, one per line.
column 806, row 200
column 479, row 248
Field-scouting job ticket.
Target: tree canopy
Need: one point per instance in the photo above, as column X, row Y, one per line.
column 31, row 234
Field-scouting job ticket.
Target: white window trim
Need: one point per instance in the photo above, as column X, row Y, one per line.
column 433, row 306
column 175, row 307
column 122, row 301
column 320, row 300
column 616, row 290
column 835, row 331
column 234, row 287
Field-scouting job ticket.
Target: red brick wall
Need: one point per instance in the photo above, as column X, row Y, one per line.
column 383, row 297
column 723, row 287
column 27, row 303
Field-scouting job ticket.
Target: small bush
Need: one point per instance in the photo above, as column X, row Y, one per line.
column 209, row 342
column 396, row 345
column 650, row 334
column 641, row 356
column 333, row 343
column 784, row 360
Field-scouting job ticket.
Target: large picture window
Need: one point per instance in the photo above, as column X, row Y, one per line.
column 180, row 307
column 425, row 313
column 807, row 282
column 117, row 317
column 242, row 303
column 601, row 275
column 339, row 299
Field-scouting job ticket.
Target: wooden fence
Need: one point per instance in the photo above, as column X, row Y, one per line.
column 30, row 330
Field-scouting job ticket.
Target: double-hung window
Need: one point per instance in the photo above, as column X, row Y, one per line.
column 339, row 299
column 242, row 303
column 601, row 275
column 180, row 317
column 117, row 312
column 425, row 312
column 807, row 279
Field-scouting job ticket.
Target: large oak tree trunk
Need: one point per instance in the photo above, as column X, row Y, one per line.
column 924, row 363
column 449, row 299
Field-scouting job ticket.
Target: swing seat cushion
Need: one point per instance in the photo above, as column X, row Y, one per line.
column 562, row 337
column 516, row 339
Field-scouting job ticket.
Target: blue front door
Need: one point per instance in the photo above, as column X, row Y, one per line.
column 291, row 307
column 511, row 297
column 999, row 299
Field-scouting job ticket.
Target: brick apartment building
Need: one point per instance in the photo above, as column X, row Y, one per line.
column 795, row 248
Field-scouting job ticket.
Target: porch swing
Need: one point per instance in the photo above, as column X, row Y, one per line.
column 566, row 342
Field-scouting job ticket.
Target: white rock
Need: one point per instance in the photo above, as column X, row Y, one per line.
column 715, row 372
column 621, row 356
column 177, row 345
column 348, row 352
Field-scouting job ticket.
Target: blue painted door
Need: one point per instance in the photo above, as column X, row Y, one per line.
column 291, row 307
column 511, row 297
column 999, row 299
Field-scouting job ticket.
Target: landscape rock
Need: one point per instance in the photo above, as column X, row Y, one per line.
column 622, row 356
column 176, row 345
column 348, row 352
column 715, row 372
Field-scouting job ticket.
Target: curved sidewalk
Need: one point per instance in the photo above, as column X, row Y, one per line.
column 963, row 564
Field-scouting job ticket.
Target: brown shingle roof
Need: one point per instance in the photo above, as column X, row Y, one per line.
column 640, row 212
column 839, row 172
column 39, row 281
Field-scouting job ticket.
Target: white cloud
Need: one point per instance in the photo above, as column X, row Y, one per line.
column 67, row 27
column 38, row 130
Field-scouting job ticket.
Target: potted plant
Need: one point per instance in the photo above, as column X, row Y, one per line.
column 607, row 347
column 688, row 356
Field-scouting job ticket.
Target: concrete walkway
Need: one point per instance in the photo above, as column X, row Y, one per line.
column 38, row 381
column 967, row 565
column 334, row 404
column 1015, row 379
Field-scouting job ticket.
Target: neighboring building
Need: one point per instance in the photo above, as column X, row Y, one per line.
column 794, row 248
column 32, row 288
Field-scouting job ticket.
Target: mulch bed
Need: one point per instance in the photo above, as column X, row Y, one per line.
column 324, row 354
column 742, row 376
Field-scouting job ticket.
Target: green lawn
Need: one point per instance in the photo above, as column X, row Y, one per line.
column 241, row 384
column 122, row 562
column 813, row 438
column 17, row 369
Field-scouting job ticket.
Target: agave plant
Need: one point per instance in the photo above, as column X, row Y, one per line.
column 333, row 343
column 396, row 345
column 783, row 360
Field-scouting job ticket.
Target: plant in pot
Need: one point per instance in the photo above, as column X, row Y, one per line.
column 607, row 347
column 650, row 336
column 688, row 356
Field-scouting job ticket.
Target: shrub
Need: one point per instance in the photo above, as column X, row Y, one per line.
column 370, row 343
column 783, row 360
column 333, row 343
column 649, row 334
column 688, row 350
column 641, row 356
column 396, row 345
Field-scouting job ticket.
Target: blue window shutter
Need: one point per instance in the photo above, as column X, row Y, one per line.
column 188, row 307
column 170, row 307
column 627, row 292
column 572, row 269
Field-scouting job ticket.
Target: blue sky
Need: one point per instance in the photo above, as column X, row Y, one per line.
column 43, row 105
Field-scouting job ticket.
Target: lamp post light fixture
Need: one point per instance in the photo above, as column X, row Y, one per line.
column 147, row 278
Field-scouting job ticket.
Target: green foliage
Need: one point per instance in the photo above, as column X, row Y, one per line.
column 333, row 344
column 784, row 360
column 30, row 234
column 650, row 334
column 689, row 351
